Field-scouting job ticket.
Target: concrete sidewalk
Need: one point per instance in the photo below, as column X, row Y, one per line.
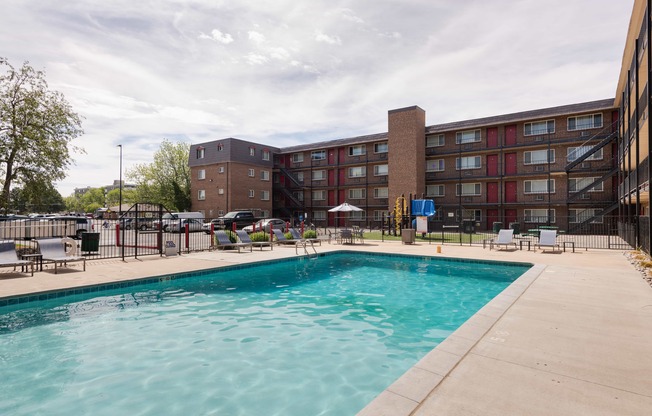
column 573, row 336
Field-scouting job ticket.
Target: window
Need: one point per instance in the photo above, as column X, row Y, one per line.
column 298, row 195
column 379, row 215
column 264, row 175
column 265, row 154
column 201, row 174
column 357, row 150
column 264, row 195
column 220, row 169
column 468, row 189
column 539, row 215
column 220, row 147
column 435, row 141
column 582, row 215
column 358, row 172
column 318, row 155
column 220, row 191
column 537, row 157
column 539, row 127
column 318, row 175
column 469, row 162
column 469, row 214
column 252, row 193
column 381, row 170
column 201, row 194
column 252, row 151
column 381, row 193
column 469, row 136
column 577, row 184
column 319, row 195
column 300, row 177
column 435, row 190
column 358, row 193
column 436, row 165
column 575, row 153
column 539, row 186
column 319, row 215
column 297, row 157
column 200, row 152
column 252, row 173
column 592, row 121
column 381, row 147
column 357, row 215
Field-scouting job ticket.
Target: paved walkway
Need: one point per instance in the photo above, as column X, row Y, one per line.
column 573, row 336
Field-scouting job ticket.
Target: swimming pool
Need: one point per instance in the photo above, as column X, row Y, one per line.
column 299, row 337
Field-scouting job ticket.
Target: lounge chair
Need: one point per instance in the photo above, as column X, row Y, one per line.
column 8, row 256
column 547, row 238
column 296, row 235
column 53, row 250
column 244, row 238
column 223, row 242
column 280, row 238
column 504, row 238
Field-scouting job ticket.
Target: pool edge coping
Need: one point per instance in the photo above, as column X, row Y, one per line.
column 407, row 393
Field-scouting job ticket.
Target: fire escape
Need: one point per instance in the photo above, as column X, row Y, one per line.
column 292, row 203
column 600, row 171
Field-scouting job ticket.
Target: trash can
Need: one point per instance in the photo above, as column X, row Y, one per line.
column 516, row 226
column 408, row 235
column 497, row 226
column 468, row 226
column 90, row 242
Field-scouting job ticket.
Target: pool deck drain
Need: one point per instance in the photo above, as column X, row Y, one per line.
column 571, row 336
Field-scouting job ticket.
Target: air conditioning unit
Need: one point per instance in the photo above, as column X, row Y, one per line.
column 584, row 133
column 585, row 165
column 468, row 146
column 468, row 173
column 539, row 198
column 539, row 139
column 539, row 168
column 467, row 199
column 585, row 196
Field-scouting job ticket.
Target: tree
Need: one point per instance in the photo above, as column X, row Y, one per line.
column 36, row 127
column 166, row 180
column 36, row 197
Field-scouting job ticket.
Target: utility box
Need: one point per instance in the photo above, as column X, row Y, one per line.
column 468, row 226
column 408, row 235
column 497, row 226
column 90, row 242
column 170, row 248
column 516, row 226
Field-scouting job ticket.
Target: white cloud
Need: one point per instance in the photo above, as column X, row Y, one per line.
column 308, row 71
column 218, row 36
column 332, row 40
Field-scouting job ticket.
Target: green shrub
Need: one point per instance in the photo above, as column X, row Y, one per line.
column 288, row 235
column 310, row 234
column 233, row 237
column 259, row 236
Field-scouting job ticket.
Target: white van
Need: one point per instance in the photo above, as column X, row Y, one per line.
column 174, row 217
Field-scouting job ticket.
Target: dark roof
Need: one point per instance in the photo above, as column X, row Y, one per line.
column 335, row 143
column 524, row 115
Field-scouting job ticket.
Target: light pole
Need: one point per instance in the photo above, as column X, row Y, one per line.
column 120, row 184
column 122, row 249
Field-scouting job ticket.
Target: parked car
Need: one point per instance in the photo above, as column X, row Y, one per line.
column 264, row 225
column 171, row 218
column 70, row 226
column 180, row 225
column 132, row 223
column 240, row 218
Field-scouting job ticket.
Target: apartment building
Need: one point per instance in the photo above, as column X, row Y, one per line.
column 553, row 166
column 633, row 102
column 231, row 174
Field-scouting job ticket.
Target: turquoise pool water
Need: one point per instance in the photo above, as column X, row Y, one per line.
column 301, row 337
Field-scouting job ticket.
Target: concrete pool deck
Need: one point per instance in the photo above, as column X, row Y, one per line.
column 573, row 336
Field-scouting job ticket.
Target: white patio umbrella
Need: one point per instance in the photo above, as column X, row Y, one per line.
column 345, row 207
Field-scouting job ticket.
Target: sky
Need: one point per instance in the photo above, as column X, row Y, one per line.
column 288, row 72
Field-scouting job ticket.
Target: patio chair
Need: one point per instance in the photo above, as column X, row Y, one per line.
column 504, row 238
column 547, row 238
column 280, row 238
column 346, row 236
column 53, row 250
column 9, row 258
column 296, row 235
column 244, row 238
column 224, row 242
